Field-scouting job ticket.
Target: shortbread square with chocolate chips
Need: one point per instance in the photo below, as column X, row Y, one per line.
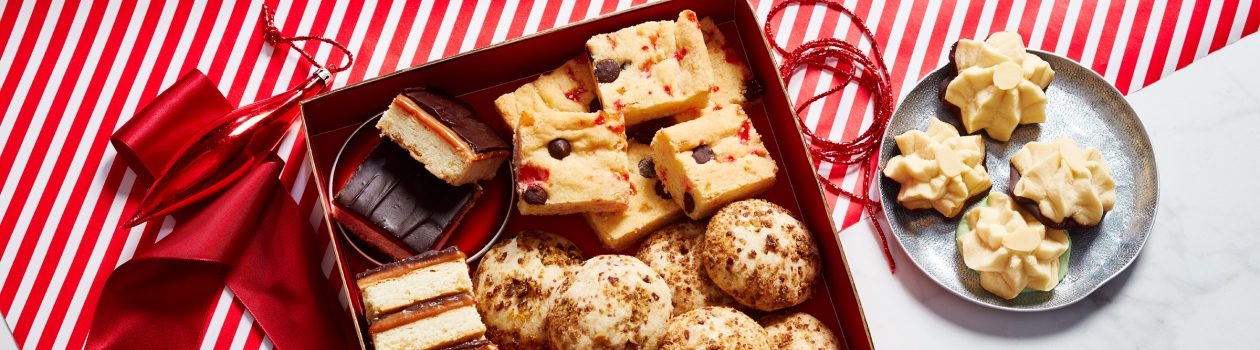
column 652, row 70
column 571, row 162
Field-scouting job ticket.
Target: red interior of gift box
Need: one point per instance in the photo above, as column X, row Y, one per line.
column 480, row 76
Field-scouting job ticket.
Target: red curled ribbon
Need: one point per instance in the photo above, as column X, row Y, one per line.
column 854, row 66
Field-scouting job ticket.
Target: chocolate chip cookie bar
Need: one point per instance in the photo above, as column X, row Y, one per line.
column 570, row 88
column 652, row 70
column 650, row 207
column 713, row 160
column 569, row 162
column 733, row 82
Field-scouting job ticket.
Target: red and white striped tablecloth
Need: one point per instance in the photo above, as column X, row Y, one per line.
column 71, row 72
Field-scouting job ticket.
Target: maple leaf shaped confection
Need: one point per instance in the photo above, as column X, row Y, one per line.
column 938, row 169
column 1071, row 187
column 999, row 85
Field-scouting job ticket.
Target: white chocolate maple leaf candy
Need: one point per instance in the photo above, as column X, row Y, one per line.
column 1070, row 187
column 999, row 85
column 938, row 169
column 1010, row 248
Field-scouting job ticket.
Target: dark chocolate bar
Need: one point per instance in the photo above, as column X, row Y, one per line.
column 393, row 203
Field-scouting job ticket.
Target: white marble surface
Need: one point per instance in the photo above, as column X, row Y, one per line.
column 1196, row 284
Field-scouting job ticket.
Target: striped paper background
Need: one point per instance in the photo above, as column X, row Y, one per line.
column 72, row 72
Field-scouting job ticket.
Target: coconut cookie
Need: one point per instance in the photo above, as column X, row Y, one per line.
column 761, row 255
column 938, row 169
column 674, row 252
column 1011, row 249
column 514, row 285
column 652, row 70
column 611, row 302
column 798, row 331
column 1064, row 186
column 715, row 328
column 999, row 85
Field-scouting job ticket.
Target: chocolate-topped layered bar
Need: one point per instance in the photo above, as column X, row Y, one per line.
column 445, row 134
column 392, row 203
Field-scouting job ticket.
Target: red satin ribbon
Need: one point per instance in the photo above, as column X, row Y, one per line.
column 251, row 238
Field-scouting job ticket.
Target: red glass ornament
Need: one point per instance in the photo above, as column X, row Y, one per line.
column 225, row 151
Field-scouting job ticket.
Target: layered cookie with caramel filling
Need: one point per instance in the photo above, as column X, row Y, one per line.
column 422, row 302
column 713, row 160
column 570, row 88
column 652, row 70
column 1064, row 186
column 938, row 169
column 998, row 86
column 570, row 163
column 445, row 135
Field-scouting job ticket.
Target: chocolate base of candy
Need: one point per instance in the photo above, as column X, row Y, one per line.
column 941, row 89
column 1031, row 206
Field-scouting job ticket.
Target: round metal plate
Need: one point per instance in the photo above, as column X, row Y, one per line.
column 1081, row 105
column 482, row 226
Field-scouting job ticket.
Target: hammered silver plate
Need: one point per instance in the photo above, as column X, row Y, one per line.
column 1081, row 105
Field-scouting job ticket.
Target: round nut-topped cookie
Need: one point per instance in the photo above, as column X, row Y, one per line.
column 761, row 254
column 717, row 328
column 514, row 283
column 674, row 252
column 798, row 331
column 610, row 302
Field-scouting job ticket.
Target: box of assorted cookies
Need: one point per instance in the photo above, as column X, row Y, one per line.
column 633, row 181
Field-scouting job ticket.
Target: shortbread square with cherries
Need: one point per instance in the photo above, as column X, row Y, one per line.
column 652, row 70
column 570, row 162
column 650, row 207
column 569, row 88
column 713, row 160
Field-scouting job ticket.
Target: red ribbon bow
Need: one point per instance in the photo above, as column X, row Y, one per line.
column 251, row 238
